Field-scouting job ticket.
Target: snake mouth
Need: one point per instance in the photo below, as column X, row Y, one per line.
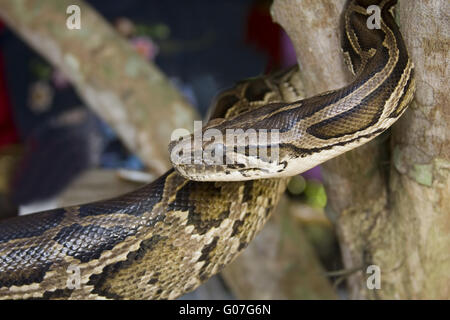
column 201, row 172
column 231, row 172
column 219, row 162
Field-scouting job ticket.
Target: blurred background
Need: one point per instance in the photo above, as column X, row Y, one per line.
column 55, row 151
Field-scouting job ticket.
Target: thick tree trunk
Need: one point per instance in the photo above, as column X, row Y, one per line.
column 413, row 248
column 131, row 94
column 393, row 214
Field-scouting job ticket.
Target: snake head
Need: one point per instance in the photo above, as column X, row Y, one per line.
column 221, row 151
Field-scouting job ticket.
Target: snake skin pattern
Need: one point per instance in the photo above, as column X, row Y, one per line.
column 166, row 238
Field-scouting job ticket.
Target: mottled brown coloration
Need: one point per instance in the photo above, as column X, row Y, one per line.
column 157, row 242
column 166, row 238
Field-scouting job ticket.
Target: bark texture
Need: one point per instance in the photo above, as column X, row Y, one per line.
column 130, row 93
column 415, row 237
column 391, row 209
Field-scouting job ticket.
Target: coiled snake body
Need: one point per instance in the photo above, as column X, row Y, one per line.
column 166, row 238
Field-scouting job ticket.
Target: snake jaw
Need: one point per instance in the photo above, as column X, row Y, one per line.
column 237, row 172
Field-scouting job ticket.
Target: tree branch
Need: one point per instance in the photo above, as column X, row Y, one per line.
column 131, row 94
column 398, row 220
column 413, row 245
column 354, row 182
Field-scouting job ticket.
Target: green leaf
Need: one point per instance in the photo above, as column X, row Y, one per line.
column 315, row 194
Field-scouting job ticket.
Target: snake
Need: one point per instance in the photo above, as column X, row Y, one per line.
column 169, row 236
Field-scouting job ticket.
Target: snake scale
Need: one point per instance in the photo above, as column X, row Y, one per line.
column 166, row 238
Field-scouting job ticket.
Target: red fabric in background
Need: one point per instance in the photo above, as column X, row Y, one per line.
column 8, row 132
column 264, row 33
